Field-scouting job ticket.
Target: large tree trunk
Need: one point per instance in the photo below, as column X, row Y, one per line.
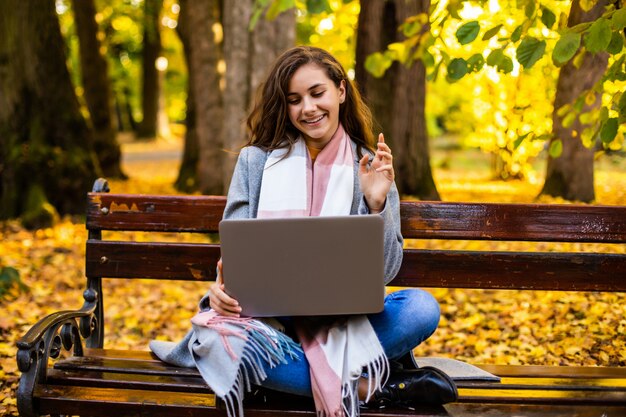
column 150, row 86
column 201, row 19
column 570, row 176
column 248, row 56
column 97, row 88
column 46, row 145
column 398, row 98
column 187, row 180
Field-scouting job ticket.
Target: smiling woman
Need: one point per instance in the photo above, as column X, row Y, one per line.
column 312, row 152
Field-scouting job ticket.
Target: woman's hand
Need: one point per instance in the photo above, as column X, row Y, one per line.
column 376, row 179
column 220, row 301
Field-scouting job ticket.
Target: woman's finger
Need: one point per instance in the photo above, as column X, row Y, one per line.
column 384, row 154
column 386, row 168
column 363, row 164
column 219, row 278
column 225, row 298
column 222, row 302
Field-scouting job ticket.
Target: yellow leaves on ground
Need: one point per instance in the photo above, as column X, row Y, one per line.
column 540, row 327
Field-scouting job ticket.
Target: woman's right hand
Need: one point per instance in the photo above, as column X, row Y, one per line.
column 221, row 302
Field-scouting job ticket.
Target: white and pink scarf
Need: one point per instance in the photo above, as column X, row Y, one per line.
column 295, row 186
column 338, row 352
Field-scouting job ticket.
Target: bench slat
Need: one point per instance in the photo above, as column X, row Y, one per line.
column 420, row 268
column 513, row 392
column 523, row 371
column 512, row 270
column 531, row 396
column 144, row 370
column 55, row 400
column 69, row 400
column 421, row 220
column 133, row 375
column 154, row 212
column 532, row 410
column 154, row 368
column 180, row 261
column 103, row 379
column 524, row 222
column 104, row 402
column 545, row 371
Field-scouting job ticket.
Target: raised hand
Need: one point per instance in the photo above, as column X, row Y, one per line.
column 376, row 179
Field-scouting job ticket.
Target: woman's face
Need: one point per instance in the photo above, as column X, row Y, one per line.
column 313, row 103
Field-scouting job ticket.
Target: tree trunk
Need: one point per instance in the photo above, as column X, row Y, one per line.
column 150, row 53
column 237, row 48
column 187, row 180
column 204, row 52
column 248, row 56
column 269, row 39
column 570, row 176
column 398, row 98
column 47, row 159
column 97, row 89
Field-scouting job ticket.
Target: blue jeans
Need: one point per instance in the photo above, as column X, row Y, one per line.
column 410, row 316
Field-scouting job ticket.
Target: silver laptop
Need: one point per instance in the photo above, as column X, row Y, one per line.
column 305, row 265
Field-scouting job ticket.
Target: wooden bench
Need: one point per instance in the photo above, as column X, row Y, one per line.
column 90, row 380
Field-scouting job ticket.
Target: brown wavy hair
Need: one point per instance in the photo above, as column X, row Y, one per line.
column 269, row 124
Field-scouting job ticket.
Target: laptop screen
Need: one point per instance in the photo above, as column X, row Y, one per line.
column 304, row 265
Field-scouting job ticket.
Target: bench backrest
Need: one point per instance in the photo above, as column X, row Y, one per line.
column 578, row 271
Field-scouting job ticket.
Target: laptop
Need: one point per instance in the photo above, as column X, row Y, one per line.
column 304, row 266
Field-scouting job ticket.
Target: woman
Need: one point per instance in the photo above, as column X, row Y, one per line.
column 312, row 152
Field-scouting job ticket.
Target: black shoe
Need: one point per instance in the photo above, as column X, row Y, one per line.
column 405, row 362
column 427, row 386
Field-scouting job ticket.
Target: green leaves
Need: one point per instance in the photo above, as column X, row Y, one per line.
column 279, row 6
column 556, row 148
column 566, row 48
column 599, row 36
column 616, row 44
column 498, row 59
column 475, row 63
column 530, row 51
column 468, row 32
column 609, row 130
column 547, row 17
column 317, row 6
column 10, row 278
column 621, row 108
column 492, row 32
column 273, row 8
column 377, row 63
column 618, row 20
column 457, row 69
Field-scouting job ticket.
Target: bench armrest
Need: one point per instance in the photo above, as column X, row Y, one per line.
column 46, row 339
column 37, row 332
column 59, row 329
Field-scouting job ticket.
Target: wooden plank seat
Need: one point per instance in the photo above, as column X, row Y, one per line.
column 87, row 379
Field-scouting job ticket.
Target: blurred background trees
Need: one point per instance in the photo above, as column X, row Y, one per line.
column 536, row 85
column 47, row 148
